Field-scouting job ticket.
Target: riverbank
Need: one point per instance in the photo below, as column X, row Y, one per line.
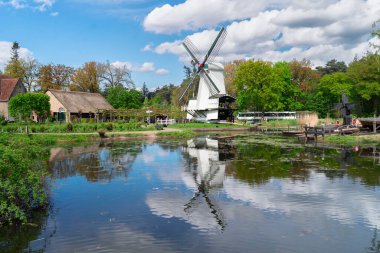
column 353, row 140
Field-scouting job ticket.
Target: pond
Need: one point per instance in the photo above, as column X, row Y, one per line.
column 208, row 194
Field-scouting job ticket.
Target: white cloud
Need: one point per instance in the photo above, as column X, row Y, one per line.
column 194, row 14
column 5, row 53
column 41, row 5
column 54, row 14
column 145, row 67
column 162, row 72
column 319, row 31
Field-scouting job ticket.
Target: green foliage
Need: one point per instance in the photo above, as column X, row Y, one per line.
column 159, row 127
column 332, row 66
column 329, row 92
column 15, row 68
column 22, row 105
column 109, row 127
column 69, row 127
column 122, row 98
column 22, row 177
column 258, row 87
column 365, row 74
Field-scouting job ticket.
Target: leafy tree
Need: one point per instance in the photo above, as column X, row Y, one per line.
column 283, row 74
column 86, row 79
column 365, row 74
column 31, row 70
column 112, row 76
column 257, row 87
column 332, row 66
column 303, row 76
column 14, row 67
column 55, row 77
column 230, row 70
column 329, row 92
column 45, row 78
column 22, row 105
column 163, row 96
column 122, row 98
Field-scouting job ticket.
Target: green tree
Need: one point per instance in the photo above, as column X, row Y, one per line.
column 14, row 67
column 291, row 92
column 257, row 87
column 365, row 74
column 122, row 98
column 332, row 66
column 329, row 92
column 22, row 105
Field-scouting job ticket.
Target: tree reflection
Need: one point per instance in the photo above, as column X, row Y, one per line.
column 257, row 163
column 98, row 162
column 20, row 238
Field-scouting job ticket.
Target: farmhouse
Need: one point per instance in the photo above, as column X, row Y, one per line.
column 66, row 105
column 9, row 87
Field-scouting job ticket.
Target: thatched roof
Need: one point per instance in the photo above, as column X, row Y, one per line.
column 81, row 101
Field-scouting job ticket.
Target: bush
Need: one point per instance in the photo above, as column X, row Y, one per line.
column 69, row 127
column 22, row 178
column 109, row 127
column 159, row 127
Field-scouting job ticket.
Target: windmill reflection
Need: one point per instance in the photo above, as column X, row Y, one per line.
column 207, row 165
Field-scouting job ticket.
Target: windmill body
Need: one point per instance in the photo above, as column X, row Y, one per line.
column 211, row 103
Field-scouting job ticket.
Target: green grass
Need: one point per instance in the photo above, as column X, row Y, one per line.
column 203, row 125
column 351, row 140
column 74, row 128
column 280, row 123
column 184, row 133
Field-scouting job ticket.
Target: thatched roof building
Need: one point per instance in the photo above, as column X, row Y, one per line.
column 72, row 103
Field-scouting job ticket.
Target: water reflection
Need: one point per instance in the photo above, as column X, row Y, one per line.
column 95, row 162
column 209, row 194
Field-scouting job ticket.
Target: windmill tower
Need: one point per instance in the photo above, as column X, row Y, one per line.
column 211, row 103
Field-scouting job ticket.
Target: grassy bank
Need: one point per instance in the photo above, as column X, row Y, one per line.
column 74, row 128
column 352, row 140
column 203, row 125
column 184, row 133
column 280, row 123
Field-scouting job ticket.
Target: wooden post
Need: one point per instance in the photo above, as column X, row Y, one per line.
column 374, row 123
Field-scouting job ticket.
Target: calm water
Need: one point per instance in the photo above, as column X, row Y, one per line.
column 242, row 194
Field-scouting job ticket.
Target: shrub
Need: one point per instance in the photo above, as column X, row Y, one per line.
column 109, row 127
column 69, row 127
column 159, row 127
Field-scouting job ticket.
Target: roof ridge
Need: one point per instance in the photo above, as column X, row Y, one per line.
column 95, row 93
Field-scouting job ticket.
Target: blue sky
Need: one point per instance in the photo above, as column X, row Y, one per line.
column 145, row 35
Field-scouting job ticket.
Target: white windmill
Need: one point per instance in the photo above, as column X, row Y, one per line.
column 211, row 102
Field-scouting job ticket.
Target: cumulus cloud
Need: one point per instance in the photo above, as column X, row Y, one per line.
column 5, row 53
column 270, row 30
